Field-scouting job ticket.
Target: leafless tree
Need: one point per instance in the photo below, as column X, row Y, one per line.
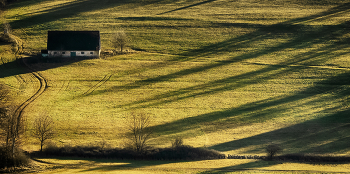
column 10, row 125
column 4, row 95
column 11, row 128
column 7, row 28
column 43, row 129
column 139, row 126
column 120, row 40
column 2, row 3
column 272, row 150
column 178, row 142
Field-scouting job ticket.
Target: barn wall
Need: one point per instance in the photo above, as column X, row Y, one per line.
column 77, row 53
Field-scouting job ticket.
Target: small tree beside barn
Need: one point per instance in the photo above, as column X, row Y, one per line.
column 120, row 40
column 73, row 44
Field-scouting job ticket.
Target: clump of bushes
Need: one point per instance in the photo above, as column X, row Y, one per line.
column 186, row 153
column 245, row 157
column 178, row 142
column 176, row 152
column 9, row 160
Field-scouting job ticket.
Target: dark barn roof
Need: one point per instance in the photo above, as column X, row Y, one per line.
column 73, row 40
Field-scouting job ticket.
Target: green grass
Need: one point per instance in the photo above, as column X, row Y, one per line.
column 234, row 76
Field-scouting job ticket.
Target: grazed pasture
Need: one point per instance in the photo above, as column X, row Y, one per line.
column 233, row 76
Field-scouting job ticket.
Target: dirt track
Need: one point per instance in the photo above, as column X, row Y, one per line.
column 42, row 87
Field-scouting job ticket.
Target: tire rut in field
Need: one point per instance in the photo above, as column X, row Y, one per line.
column 99, row 84
column 64, row 86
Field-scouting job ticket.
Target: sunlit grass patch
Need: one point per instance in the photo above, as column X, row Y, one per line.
column 229, row 75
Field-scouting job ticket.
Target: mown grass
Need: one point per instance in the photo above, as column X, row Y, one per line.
column 234, row 76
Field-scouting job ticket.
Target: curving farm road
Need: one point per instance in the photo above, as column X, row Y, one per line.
column 43, row 85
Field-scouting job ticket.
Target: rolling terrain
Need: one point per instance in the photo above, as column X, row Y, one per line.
column 234, row 76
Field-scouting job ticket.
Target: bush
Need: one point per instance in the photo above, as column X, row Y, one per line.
column 176, row 153
column 178, row 142
column 17, row 160
column 186, row 153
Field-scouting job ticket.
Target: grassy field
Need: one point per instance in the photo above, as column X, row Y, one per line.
column 77, row 165
column 233, row 76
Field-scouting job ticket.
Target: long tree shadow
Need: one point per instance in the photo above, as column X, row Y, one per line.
column 189, row 6
column 102, row 165
column 234, row 82
column 255, row 165
column 310, row 36
column 274, row 71
column 259, row 111
column 126, row 165
column 25, row 3
column 302, row 36
column 328, row 134
column 71, row 9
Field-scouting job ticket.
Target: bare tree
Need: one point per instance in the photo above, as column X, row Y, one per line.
column 120, row 40
column 7, row 28
column 272, row 150
column 178, row 142
column 12, row 127
column 43, row 129
column 139, row 126
column 2, row 3
column 4, row 95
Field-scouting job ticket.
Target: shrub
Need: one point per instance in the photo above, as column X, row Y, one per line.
column 186, row 153
column 177, row 153
column 178, row 142
column 16, row 159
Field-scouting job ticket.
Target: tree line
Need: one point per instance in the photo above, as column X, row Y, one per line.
column 3, row 3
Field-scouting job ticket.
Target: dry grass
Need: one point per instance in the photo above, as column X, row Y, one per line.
column 231, row 80
column 206, row 166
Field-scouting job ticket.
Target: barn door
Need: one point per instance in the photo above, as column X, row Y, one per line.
column 73, row 54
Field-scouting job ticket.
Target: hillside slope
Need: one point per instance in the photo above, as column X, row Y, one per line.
column 233, row 76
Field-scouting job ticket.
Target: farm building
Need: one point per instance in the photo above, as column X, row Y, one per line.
column 73, row 44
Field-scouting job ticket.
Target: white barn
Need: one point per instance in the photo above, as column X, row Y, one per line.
column 73, row 44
